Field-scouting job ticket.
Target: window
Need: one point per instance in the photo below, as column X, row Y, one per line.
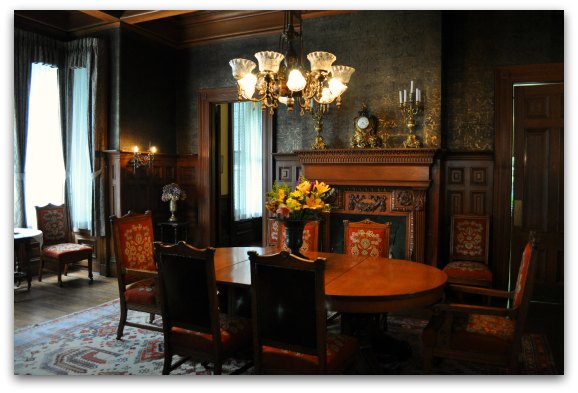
column 247, row 161
column 44, row 167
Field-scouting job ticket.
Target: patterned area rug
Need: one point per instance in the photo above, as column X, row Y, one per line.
column 84, row 343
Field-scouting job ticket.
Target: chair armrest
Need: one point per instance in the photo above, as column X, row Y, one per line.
column 481, row 291
column 473, row 309
column 141, row 273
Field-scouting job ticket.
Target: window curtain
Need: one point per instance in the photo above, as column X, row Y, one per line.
column 247, row 161
column 28, row 48
column 86, row 69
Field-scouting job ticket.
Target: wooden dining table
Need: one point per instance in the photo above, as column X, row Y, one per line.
column 353, row 284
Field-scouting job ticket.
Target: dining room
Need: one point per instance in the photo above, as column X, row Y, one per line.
column 386, row 167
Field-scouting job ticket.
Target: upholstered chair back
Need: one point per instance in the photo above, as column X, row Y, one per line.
column 366, row 238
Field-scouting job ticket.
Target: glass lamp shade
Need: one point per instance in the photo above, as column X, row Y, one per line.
column 321, row 61
column 343, row 73
column 269, row 61
column 247, row 85
column 336, row 87
column 296, row 81
column 241, row 67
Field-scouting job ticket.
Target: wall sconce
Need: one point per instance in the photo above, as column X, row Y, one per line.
column 142, row 159
column 409, row 109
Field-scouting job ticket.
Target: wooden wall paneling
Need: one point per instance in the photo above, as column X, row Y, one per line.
column 186, row 176
column 138, row 190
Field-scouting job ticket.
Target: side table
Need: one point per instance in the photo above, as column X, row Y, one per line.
column 22, row 238
column 173, row 231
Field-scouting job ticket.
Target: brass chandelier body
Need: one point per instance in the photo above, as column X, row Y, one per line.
column 282, row 78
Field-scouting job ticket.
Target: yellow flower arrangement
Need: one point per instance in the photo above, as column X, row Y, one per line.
column 305, row 203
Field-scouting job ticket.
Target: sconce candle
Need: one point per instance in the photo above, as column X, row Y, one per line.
column 144, row 159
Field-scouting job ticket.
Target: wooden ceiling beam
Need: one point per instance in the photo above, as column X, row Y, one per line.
column 133, row 17
column 103, row 16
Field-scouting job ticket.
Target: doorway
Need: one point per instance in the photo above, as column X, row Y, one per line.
column 529, row 182
column 208, row 175
column 238, row 128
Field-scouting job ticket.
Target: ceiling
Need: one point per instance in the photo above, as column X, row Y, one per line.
column 179, row 28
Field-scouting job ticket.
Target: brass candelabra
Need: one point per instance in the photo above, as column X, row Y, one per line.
column 410, row 107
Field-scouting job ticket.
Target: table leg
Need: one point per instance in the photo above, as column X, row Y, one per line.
column 24, row 260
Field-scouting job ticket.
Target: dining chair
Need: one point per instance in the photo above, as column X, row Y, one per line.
column 469, row 251
column 133, row 238
column 310, row 237
column 366, row 238
column 58, row 248
column 192, row 325
column 482, row 333
column 289, row 318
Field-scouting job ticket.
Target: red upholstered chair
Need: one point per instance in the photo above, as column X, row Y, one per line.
column 366, row 238
column 469, row 251
column 310, row 237
column 482, row 333
column 58, row 249
column 192, row 325
column 136, row 268
column 289, row 318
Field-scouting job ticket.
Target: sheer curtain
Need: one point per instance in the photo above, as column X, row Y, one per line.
column 247, row 161
column 79, row 172
column 85, row 132
column 44, row 168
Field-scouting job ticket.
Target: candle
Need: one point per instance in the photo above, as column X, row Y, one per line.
column 411, row 88
column 153, row 149
column 417, row 95
column 135, row 149
column 405, row 96
column 400, row 97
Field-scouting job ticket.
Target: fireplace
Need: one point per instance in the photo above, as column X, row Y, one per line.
column 396, row 185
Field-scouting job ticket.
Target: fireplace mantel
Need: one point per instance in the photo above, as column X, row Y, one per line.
column 401, row 184
column 369, row 167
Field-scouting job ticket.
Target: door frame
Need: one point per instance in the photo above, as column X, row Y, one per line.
column 206, row 176
column 505, row 78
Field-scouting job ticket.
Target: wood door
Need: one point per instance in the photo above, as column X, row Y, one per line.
column 538, row 183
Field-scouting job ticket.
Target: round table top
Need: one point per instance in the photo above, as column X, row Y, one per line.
column 352, row 284
column 26, row 233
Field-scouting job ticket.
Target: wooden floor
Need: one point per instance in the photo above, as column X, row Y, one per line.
column 46, row 301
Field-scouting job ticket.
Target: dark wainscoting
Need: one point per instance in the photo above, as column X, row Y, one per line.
column 141, row 190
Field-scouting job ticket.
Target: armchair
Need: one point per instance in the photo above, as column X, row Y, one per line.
column 483, row 333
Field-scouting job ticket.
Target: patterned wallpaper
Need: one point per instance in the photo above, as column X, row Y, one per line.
column 450, row 56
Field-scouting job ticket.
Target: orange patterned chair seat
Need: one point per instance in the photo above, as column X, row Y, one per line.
column 491, row 325
column 143, row 292
column 468, row 269
column 235, row 333
column 339, row 351
column 58, row 250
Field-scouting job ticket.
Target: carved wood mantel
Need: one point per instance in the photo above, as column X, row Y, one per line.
column 384, row 182
column 379, row 167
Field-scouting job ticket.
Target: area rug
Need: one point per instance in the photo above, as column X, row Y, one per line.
column 84, row 343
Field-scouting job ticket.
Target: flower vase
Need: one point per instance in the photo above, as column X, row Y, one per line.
column 294, row 236
column 173, row 209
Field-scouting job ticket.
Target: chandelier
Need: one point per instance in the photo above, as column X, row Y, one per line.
column 281, row 76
